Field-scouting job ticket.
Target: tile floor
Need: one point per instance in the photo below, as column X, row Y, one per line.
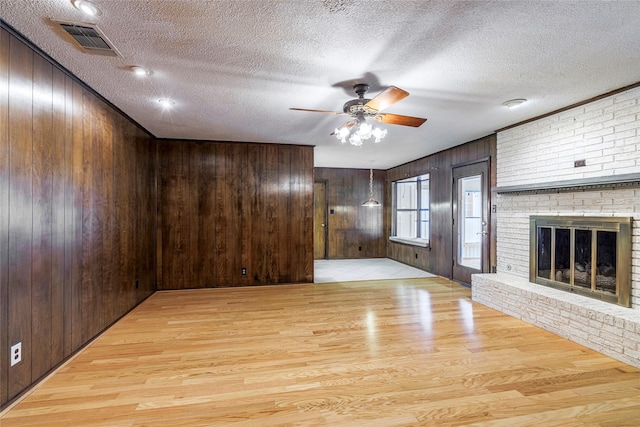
column 351, row 270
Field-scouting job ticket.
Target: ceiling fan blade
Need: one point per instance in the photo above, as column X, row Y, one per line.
column 389, row 96
column 347, row 125
column 319, row 111
column 396, row 119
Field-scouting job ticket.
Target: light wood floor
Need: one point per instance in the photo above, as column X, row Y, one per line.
column 385, row 353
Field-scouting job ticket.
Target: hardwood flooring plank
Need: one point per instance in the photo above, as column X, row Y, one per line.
column 380, row 353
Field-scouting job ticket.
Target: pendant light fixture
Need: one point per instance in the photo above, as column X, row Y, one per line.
column 371, row 202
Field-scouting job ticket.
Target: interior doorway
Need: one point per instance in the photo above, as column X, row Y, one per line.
column 320, row 220
column 471, row 219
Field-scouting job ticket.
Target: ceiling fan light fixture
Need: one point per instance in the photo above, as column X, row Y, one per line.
column 87, row 7
column 356, row 135
column 514, row 103
column 355, row 139
column 342, row 133
column 357, row 130
column 378, row 134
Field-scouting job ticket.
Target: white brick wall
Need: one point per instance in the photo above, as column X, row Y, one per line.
column 606, row 134
column 512, row 249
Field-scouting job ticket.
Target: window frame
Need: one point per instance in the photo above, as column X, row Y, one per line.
column 418, row 239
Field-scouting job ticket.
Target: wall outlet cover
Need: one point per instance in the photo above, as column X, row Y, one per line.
column 16, row 353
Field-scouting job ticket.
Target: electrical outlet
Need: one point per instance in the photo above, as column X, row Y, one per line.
column 16, row 354
column 244, row 271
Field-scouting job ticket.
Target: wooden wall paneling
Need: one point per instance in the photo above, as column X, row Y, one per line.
column 196, row 195
column 41, row 292
column 205, row 268
column 108, row 287
column 224, row 215
column 173, row 211
column 158, row 209
column 442, row 252
column 246, row 202
column 302, row 215
column 121, row 179
column 235, row 229
column 4, row 211
column 284, row 216
column 213, row 219
column 58, row 170
column 271, row 224
column 297, row 213
column 20, row 211
column 258, row 235
column 144, row 204
column 91, row 227
column 439, row 165
column 66, row 265
column 353, row 226
column 305, row 171
column 76, row 204
column 270, row 214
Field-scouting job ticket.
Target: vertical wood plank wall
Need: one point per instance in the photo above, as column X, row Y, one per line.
column 77, row 214
column 439, row 166
column 228, row 206
column 355, row 231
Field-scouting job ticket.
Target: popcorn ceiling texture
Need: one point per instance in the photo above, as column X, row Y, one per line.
column 234, row 67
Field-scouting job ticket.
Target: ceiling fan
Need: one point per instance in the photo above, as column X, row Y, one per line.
column 362, row 108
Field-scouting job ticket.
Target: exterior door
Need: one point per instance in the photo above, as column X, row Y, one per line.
column 319, row 220
column 470, row 221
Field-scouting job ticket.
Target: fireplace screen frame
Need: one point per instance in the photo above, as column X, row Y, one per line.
column 620, row 225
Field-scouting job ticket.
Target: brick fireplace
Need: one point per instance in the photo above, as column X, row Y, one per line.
column 582, row 162
column 589, row 256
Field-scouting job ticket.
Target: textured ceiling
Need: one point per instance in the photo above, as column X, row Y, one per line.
column 234, row 68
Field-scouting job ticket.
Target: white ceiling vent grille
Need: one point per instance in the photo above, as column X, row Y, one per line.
column 90, row 38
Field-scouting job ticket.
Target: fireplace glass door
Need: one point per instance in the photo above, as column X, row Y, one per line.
column 582, row 255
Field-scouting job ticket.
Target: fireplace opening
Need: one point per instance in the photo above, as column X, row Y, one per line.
column 587, row 255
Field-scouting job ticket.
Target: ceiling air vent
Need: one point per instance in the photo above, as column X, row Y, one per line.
column 89, row 37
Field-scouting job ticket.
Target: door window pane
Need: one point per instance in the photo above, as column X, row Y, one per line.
column 470, row 222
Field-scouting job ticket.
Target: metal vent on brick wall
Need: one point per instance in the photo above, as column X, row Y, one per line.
column 89, row 37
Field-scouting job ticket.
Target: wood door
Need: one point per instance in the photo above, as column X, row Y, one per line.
column 471, row 219
column 319, row 220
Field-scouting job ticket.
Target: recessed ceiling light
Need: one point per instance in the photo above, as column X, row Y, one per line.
column 86, row 7
column 139, row 71
column 165, row 102
column 513, row 103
